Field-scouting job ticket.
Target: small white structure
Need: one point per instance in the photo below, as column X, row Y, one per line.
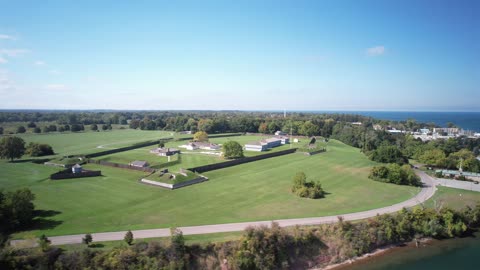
column 280, row 133
column 256, row 146
column 200, row 145
column 476, row 134
column 395, row 131
column 295, row 140
column 165, row 152
column 266, row 144
column 424, row 131
column 139, row 163
column 377, row 127
column 283, row 139
column 77, row 168
column 357, row 123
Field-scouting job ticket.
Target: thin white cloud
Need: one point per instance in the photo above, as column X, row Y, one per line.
column 54, row 72
column 56, row 87
column 2, row 36
column 13, row 52
column 375, row 51
column 3, row 60
column 5, row 81
column 39, row 63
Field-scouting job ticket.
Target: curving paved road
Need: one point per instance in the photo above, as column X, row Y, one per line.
column 427, row 191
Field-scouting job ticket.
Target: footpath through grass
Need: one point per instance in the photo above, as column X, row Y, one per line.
column 248, row 192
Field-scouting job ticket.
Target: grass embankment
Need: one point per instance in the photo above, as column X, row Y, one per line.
column 453, row 198
column 248, row 192
column 172, row 177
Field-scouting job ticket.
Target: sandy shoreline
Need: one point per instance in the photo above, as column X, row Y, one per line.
column 376, row 253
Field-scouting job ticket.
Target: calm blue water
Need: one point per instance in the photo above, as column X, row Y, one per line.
column 465, row 120
column 447, row 254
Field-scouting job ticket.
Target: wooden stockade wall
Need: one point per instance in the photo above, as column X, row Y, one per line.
column 122, row 149
column 123, row 166
column 68, row 174
column 216, row 166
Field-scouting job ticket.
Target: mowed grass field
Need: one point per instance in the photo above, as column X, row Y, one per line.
column 249, row 192
column 454, row 198
column 88, row 142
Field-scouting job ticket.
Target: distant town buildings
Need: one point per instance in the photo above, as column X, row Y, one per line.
column 426, row 134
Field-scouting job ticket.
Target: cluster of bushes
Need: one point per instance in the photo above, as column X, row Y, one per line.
column 38, row 150
column 306, row 189
column 14, row 147
column 396, row 174
column 463, row 158
column 259, row 247
column 388, row 154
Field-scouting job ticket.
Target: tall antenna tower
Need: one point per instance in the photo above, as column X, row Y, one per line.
column 284, row 113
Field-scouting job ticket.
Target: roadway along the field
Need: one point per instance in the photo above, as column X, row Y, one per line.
column 426, row 192
column 451, row 183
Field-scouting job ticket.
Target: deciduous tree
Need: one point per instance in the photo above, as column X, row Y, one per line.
column 88, row 239
column 128, row 237
column 232, row 149
column 200, row 136
column 12, row 148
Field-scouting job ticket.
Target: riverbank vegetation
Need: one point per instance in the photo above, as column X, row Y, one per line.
column 262, row 247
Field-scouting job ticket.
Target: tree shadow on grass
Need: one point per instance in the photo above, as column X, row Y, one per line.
column 46, row 213
column 96, row 245
column 41, row 221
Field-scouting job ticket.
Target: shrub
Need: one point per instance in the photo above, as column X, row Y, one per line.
column 388, row 154
column 305, row 189
column 38, row 150
column 396, row 174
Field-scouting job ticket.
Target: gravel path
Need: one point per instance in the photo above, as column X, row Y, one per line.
column 426, row 192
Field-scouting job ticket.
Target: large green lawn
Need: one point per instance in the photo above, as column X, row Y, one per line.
column 89, row 142
column 248, row 192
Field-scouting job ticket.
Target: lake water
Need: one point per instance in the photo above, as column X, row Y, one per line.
column 446, row 254
column 465, row 120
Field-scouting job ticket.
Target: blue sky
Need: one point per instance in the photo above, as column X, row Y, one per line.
column 246, row 55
